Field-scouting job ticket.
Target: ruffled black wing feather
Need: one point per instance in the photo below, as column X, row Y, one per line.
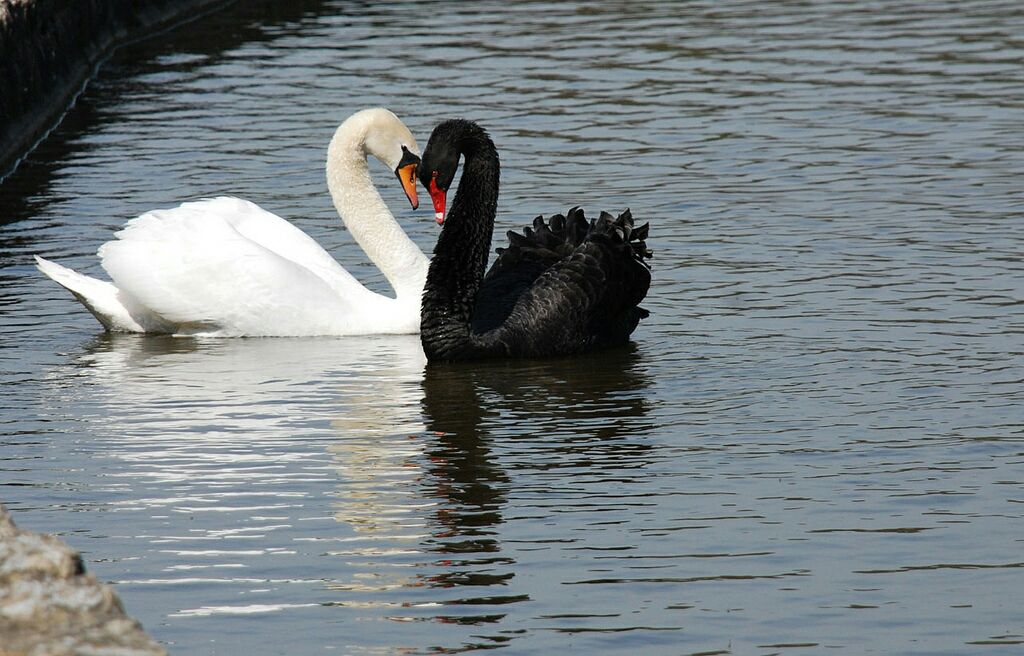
column 566, row 286
column 518, row 265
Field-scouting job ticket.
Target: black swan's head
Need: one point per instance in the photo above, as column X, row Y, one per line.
column 447, row 142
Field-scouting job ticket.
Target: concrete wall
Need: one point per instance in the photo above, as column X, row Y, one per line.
column 49, row 49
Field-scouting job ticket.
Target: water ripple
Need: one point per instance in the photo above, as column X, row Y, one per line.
column 814, row 442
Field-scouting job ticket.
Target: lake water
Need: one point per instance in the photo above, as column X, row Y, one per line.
column 815, row 443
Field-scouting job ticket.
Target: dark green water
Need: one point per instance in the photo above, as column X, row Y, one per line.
column 815, row 444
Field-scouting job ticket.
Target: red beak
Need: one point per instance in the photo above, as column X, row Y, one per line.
column 438, row 196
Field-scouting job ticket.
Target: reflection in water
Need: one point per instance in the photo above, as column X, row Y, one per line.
column 815, row 443
column 249, row 22
column 361, row 387
column 465, row 477
column 479, row 416
column 358, row 397
column 421, row 462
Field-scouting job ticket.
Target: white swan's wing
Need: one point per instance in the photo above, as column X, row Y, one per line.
column 227, row 267
column 278, row 235
column 190, row 220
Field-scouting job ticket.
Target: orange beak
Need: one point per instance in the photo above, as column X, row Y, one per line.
column 407, row 176
column 438, row 196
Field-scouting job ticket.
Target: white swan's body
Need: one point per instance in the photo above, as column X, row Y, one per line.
column 225, row 267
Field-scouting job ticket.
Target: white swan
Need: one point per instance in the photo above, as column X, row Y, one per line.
column 225, row 267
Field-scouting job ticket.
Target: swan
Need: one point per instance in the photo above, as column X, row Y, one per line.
column 225, row 267
column 563, row 287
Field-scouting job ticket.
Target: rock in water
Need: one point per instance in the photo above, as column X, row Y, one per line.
column 49, row 605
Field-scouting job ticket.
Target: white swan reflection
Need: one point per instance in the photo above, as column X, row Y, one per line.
column 258, row 438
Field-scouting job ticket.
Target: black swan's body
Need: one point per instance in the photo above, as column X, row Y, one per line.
column 563, row 287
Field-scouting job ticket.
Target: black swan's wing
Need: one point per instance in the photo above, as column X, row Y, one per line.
column 518, row 265
column 588, row 298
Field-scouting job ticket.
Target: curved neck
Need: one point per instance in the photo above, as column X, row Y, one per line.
column 460, row 257
column 364, row 213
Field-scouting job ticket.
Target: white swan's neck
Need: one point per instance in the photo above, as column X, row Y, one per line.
column 367, row 217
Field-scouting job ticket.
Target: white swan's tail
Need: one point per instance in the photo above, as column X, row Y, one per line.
column 103, row 299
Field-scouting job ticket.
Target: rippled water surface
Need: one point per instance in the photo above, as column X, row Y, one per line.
column 814, row 444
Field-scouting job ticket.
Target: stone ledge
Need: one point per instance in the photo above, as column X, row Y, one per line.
column 49, row 605
column 49, row 49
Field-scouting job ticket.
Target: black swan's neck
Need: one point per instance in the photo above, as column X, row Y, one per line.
column 461, row 253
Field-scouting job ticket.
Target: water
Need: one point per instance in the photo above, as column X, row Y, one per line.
column 814, row 443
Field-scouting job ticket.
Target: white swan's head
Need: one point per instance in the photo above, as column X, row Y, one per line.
column 384, row 136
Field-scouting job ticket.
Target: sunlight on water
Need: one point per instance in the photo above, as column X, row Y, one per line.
column 814, row 443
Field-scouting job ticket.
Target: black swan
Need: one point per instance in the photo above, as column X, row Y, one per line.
column 563, row 287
